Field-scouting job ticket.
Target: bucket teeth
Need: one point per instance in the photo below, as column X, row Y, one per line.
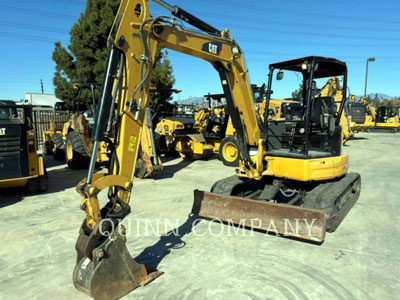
column 111, row 272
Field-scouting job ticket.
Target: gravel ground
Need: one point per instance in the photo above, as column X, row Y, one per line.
column 360, row 260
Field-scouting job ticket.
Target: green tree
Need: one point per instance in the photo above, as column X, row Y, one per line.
column 84, row 59
column 297, row 94
column 376, row 102
column 162, row 77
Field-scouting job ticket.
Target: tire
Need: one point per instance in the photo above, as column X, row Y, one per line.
column 229, row 151
column 46, row 148
column 75, row 152
column 39, row 184
column 57, row 146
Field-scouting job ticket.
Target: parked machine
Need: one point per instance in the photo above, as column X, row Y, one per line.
column 73, row 142
column 200, row 135
column 289, row 170
column 361, row 114
column 20, row 164
column 333, row 88
column 387, row 119
column 149, row 159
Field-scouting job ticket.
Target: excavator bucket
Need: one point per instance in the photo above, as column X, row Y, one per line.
column 282, row 219
column 108, row 271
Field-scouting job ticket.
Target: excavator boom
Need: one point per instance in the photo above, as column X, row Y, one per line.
column 105, row 269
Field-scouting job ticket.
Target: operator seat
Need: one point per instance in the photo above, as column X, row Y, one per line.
column 323, row 110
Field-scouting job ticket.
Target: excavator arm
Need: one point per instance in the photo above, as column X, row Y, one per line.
column 133, row 44
column 104, row 267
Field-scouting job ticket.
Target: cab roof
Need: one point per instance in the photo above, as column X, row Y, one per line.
column 8, row 103
column 327, row 67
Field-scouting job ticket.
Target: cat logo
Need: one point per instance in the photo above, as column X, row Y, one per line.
column 2, row 131
column 213, row 48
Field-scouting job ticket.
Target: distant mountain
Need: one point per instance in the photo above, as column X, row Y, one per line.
column 192, row 100
column 380, row 96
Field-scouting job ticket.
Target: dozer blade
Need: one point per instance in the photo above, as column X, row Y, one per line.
column 289, row 220
column 108, row 271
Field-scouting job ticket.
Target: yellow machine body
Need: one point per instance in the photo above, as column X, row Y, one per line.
column 369, row 117
column 21, row 165
column 104, row 268
column 333, row 88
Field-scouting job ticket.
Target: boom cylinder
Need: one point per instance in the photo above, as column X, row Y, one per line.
column 189, row 18
column 105, row 99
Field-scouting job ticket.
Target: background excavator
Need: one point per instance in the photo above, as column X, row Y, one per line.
column 149, row 160
column 333, row 89
column 361, row 114
column 289, row 170
column 387, row 119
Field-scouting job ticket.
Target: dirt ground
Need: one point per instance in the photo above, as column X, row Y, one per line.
column 361, row 260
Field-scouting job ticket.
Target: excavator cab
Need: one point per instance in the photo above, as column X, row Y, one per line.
column 309, row 129
column 298, row 172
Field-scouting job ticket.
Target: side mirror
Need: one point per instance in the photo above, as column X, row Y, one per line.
column 279, row 75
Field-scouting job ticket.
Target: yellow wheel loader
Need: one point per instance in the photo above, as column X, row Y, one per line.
column 73, row 143
column 20, row 164
column 292, row 171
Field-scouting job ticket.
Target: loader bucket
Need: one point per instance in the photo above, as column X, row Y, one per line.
column 109, row 271
column 282, row 219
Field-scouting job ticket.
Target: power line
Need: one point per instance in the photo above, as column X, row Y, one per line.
column 34, row 27
column 277, row 57
column 218, row 17
column 297, row 13
column 307, row 33
column 311, row 44
column 37, row 12
column 30, row 37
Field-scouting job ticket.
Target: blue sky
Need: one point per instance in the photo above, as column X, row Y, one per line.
column 267, row 31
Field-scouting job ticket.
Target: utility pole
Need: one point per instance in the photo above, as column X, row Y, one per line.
column 366, row 75
column 41, row 85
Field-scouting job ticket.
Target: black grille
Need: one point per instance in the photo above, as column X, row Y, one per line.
column 358, row 113
column 9, row 146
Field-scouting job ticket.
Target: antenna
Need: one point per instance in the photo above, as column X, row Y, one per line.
column 41, row 85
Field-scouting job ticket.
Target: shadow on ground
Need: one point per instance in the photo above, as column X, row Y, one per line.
column 169, row 171
column 51, row 162
column 153, row 255
column 60, row 178
column 358, row 138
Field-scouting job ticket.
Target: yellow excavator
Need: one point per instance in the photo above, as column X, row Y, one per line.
column 333, row 88
column 149, row 159
column 361, row 114
column 289, row 171
column 387, row 119
column 200, row 135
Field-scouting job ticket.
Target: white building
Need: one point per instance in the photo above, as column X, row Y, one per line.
column 37, row 99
